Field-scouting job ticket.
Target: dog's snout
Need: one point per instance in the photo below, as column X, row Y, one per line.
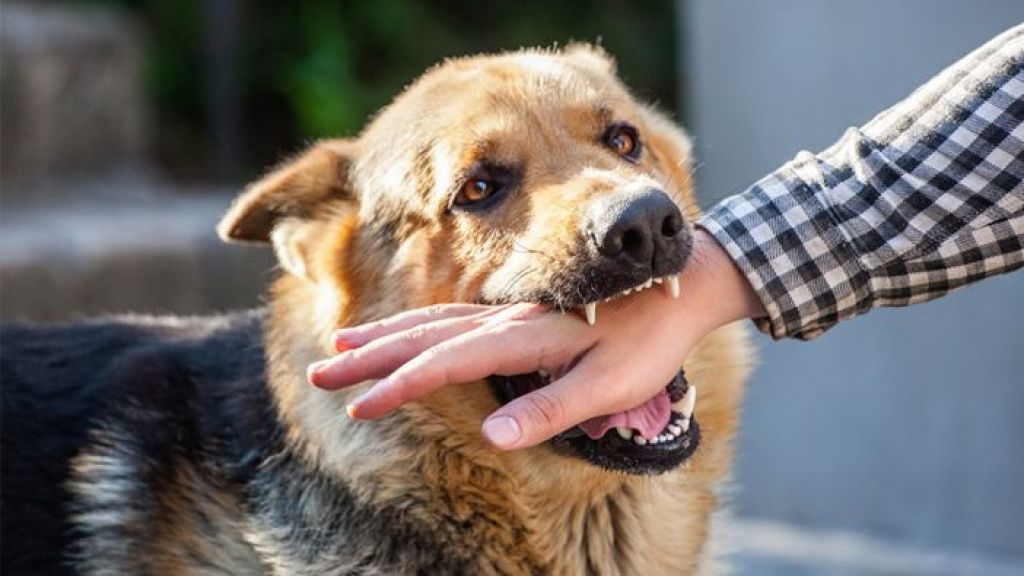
column 639, row 230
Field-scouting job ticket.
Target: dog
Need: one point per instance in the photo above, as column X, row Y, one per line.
column 195, row 445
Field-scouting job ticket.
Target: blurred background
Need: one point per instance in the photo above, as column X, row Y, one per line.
column 892, row 445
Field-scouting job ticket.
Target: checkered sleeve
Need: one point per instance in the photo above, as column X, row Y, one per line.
column 925, row 198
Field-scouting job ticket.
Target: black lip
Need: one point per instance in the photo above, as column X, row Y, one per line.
column 611, row 451
column 589, row 278
column 615, row 453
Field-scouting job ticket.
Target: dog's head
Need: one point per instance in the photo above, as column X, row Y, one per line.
column 532, row 176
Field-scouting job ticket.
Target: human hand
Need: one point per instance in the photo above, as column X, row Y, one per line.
column 635, row 348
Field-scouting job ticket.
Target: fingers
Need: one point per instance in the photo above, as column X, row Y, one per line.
column 507, row 347
column 349, row 338
column 386, row 352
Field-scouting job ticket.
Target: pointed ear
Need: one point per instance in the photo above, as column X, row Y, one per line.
column 590, row 56
column 278, row 208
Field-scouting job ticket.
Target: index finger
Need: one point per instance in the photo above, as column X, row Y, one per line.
column 355, row 336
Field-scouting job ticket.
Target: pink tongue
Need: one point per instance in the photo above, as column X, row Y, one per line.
column 649, row 418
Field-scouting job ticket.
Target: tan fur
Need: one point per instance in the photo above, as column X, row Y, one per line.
column 532, row 510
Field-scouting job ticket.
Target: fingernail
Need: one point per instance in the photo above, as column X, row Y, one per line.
column 502, row 431
column 358, row 402
column 343, row 345
column 314, row 370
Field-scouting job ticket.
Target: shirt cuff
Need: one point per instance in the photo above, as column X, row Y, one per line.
column 790, row 247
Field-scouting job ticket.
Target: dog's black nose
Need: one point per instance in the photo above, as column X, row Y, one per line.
column 639, row 230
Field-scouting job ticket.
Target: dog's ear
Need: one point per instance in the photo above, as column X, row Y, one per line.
column 590, row 56
column 278, row 208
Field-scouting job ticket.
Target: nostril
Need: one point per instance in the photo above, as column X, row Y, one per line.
column 671, row 225
column 632, row 241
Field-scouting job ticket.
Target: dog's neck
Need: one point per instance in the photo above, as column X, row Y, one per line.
column 536, row 508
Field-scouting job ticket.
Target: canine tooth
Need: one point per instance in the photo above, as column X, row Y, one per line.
column 686, row 425
column 591, row 310
column 639, row 439
column 672, row 287
column 624, row 432
column 689, row 401
column 649, row 283
column 675, row 430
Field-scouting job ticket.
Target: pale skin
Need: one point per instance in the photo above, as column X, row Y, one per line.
column 637, row 345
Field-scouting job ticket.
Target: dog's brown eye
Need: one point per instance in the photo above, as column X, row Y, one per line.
column 475, row 190
column 484, row 186
column 624, row 141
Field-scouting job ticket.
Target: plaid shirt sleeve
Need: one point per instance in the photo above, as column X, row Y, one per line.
column 924, row 199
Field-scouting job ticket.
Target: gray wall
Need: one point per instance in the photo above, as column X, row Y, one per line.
column 905, row 423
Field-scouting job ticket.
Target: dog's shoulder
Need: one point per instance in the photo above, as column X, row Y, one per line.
column 140, row 388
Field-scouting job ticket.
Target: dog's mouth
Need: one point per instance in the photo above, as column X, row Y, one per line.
column 652, row 438
column 670, row 284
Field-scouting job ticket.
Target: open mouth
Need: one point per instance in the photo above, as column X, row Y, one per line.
column 652, row 438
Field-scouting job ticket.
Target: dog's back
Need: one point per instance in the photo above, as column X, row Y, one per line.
column 132, row 384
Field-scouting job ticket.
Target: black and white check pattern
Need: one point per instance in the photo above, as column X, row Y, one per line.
column 925, row 198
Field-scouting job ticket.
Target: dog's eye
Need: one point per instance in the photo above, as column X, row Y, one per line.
column 485, row 184
column 623, row 140
column 476, row 190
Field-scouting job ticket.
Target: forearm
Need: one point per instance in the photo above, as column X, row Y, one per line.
column 925, row 198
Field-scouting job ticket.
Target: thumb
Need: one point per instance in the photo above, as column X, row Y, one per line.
column 586, row 391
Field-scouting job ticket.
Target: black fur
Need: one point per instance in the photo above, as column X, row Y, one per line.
column 62, row 383
column 158, row 394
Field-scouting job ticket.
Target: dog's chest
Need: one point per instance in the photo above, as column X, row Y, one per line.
column 651, row 527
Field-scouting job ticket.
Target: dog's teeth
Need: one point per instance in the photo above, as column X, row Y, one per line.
column 675, row 430
column 639, row 439
column 689, row 401
column 624, row 432
column 672, row 287
column 544, row 374
column 659, row 280
column 591, row 311
column 685, row 425
column 655, row 440
column 627, row 291
column 649, row 283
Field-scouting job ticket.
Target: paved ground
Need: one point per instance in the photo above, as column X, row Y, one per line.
column 765, row 548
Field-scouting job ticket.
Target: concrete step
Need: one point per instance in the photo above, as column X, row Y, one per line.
column 158, row 254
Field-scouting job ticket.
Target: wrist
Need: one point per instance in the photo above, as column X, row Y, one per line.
column 714, row 289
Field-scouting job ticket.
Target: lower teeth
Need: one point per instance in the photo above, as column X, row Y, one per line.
column 675, row 429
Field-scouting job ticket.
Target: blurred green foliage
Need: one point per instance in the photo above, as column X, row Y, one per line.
column 315, row 68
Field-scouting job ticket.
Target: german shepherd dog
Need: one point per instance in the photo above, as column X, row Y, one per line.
column 196, row 446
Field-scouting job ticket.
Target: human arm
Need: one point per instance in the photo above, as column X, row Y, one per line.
column 925, row 198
